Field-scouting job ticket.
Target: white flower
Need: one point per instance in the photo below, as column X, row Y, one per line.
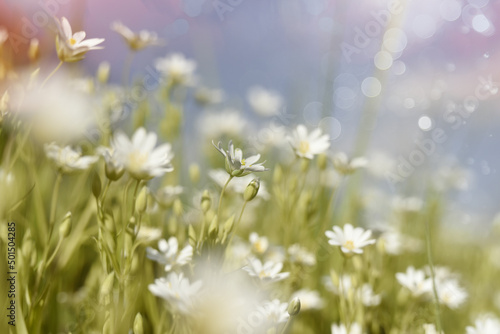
column 409, row 204
column 206, row 96
column 396, row 243
column 309, row 299
column 267, row 272
column 177, row 291
column 67, row 159
column 238, row 166
column 275, row 311
column 259, row 244
column 136, row 41
column 166, row 195
column 355, row 328
column 367, row 297
column 228, row 123
column 4, row 35
column 348, row 166
column 139, row 155
column 113, row 168
column 148, row 234
column 415, row 281
column 485, row 324
column 169, row 253
column 264, row 102
column 431, row 329
column 350, row 239
column 450, row 293
column 73, row 47
column 308, row 145
column 179, row 69
column 301, row 256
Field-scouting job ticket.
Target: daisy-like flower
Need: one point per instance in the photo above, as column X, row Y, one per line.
column 113, row 168
column 367, row 296
column 136, row 41
column 73, row 47
column 178, row 68
column 263, row 101
column 450, row 293
column 346, row 166
column 309, row 299
column 169, row 253
column 238, row 166
column 68, row 160
column 140, row 157
column 350, row 239
column 177, row 291
column 302, row 256
column 307, row 145
column 275, row 311
column 268, row 272
column 259, row 244
column 415, row 281
column 355, row 328
column 485, row 324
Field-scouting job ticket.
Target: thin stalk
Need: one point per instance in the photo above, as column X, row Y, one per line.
column 237, row 224
column 222, row 195
column 51, row 74
column 433, row 276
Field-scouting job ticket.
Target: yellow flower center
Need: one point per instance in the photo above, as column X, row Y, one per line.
column 243, row 162
column 304, row 147
column 72, row 41
column 137, row 160
column 260, row 247
column 349, row 244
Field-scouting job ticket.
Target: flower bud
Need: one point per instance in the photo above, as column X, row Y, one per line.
column 103, row 72
column 192, row 236
column 229, row 224
column 96, row 186
column 138, row 327
column 65, row 227
column 213, row 229
column 194, row 173
column 178, row 210
column 107, row 288
column 34, row 49
column 206, row 201
column 294, row 307
column 113, row 172
column 142, row 201
column 251, row 190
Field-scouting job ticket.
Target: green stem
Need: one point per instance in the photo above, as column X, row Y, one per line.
column 433, row 276
column 222, row 195
column 126, row 68
column 51, row 74
column 237, row 224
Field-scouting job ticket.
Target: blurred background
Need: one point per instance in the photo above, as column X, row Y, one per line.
column 412, row 85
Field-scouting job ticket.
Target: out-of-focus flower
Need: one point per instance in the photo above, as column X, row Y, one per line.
column 381, row 164
column 258, row 244
column 268, row 272
column 355, row 328
column 367, row 296
column 4, row 35
column 485, row 324
column 409, row 204
column 177, row 291
column 431, row 329
column 307, row 145
column 415, row 281
column 346, row 166
column 169, row 254
column 450, row 293
column 275, row 311
column 73, row 47
column 350, row 239
column 68, row 160
column 263, row 101
column 177, row 68
column 148, row 234
column 309, row 299
column 140, row 157
column 227, row 123
column 136, row 41
column 113, row 168
column 301, row 256
column 205, row 96
column 166, row 195
column 395, row 243
column 238, row 166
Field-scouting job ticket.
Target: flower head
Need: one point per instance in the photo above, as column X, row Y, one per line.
column 67, row 159
column 355, row 328
column 259, row 244
column 264, row 102
column 348, row 166
column 267, row 272
column 485, row 324
column 136, row 41
column 415, row 281
column 169, row 253
column 140, row 157
column 307, row 145
column 450, row 293
column 309, row 299
column 177, row 67
column 275, row 311
column 238, row 166
column 350, row 239
column 301, row 256
column 113, row 168
column 73, row 47
column 177, row 291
